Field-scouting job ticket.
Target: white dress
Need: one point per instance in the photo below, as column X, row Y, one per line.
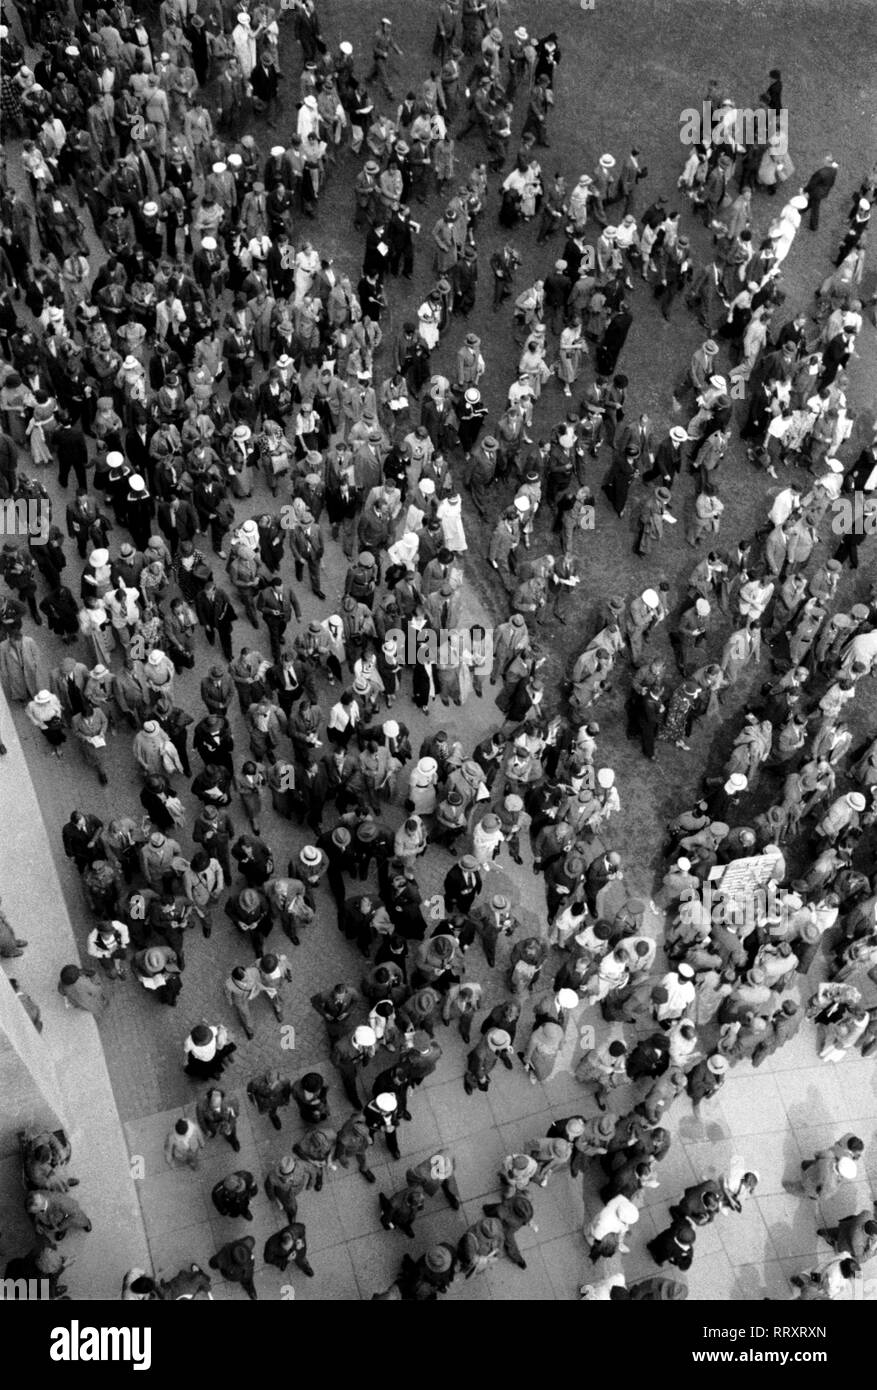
column 450, row 514
column 244, row 41
column 307, row 263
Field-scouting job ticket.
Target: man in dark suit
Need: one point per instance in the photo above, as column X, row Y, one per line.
column 668, row 458
column 216, row 615
column 71, row 452
column 640, row 433
column 609, row 348
column 862, row 477
column 462, row 885
column 818, row 187
column 137, row 450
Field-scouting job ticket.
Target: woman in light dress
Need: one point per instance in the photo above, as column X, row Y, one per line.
column 573, row 349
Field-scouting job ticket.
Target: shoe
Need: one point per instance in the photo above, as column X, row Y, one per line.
column 103, row 778
column 88, row 1227
column 19, row 941
column 521, row 1264
column 305, row 1268
column 72, row 1182
column 249, row 1034
column 235, row 1144
column 404, row 1114
column 368, row 1175
column 247, row 1215
column 318, row 593
column 3, row 750
column 276, row 1122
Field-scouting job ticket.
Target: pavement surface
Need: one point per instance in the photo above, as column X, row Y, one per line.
column 624, row 67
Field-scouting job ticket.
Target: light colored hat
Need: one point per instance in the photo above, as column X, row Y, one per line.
column 242, row 432
column 427, row 767
column 154, row 961
column 856, row 801
column 846, row 1168
column 605, row 777
column 799, row 202
column 499, row 1039
column 521, row 34
column 386, row 1102
column 99, row 671
column 42, row 697
column 155, row 657
column 650, row 599
column 219, row 167
column 610, row 233
column 208, row 243
column 98, row 558
column 278, row 150
column 737, row 782
column 678, row 434
column 345, row 48
column 235, row 161
column 684, row 971
column 130, row 363
column 115, row 459
column 719, row 383
column 522, row 504
column 473, row 395
column 427, row 486
column 607, row 161
column 702, row 607
column 150, row 727
column 150, row 209
column 310, row 855
column 391, row 728
column 363, row 1036
column 718, row 1065
column 710, row 347
column 566, row 999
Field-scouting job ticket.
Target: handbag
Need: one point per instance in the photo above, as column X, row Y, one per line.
column 169, row 763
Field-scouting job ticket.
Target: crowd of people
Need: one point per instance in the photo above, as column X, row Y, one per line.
column 195, row 360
